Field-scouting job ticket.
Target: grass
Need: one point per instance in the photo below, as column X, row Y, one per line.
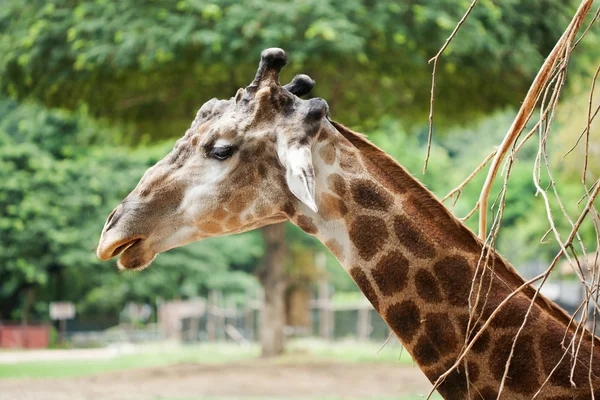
column 299, row 351
column 304, row 351
column 148, row 356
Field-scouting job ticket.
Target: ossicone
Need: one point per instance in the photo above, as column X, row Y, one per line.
column 271, row 62
column 301, row 85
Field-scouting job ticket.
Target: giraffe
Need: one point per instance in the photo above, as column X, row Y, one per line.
column 266, row 155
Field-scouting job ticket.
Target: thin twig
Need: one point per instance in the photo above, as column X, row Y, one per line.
column 460, row 187
column 589, row 123
column 581, row 134
column 384, row 343
column 596, row 15
column 470, row 214
column 435, row 60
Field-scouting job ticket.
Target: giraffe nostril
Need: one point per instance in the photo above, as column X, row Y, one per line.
column 112, row 214
column 113, row 218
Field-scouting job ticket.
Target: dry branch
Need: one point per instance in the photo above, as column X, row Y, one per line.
column 460, row 187
column 435, row 60
column 545, row 91
column 525, row 285
column 589, row 123
column 529, row 104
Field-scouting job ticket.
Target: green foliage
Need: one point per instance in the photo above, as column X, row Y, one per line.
column 86, row 77
column 155, row 62
column 59, row 182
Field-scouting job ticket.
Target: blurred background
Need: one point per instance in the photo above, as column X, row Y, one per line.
column 94, row 92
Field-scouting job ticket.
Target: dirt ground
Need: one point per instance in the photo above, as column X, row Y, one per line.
column 258, row 379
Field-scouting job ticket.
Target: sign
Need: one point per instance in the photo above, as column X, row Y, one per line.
column 62, row 310
column 138, row 312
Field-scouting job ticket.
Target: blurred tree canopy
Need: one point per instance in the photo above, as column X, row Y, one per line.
column 154, row 63
column 80, row 79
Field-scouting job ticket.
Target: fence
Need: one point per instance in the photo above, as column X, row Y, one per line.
column 210, row 320
column 31, row 336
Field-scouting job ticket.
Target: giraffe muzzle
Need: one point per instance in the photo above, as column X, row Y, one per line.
column 110, row 249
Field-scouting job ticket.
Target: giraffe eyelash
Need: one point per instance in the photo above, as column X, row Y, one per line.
column 220, row 153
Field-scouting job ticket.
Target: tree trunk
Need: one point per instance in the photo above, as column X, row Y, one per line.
column 273, row 279
column 29, row 296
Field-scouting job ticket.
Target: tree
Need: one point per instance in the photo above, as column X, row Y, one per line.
column 154, row 63
column 274, row 281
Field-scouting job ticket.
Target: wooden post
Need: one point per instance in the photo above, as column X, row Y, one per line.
column 364, row 322
column 210, row 316
column 326, row 320
column 194, row 329
column 249, row 321
column 62, row 325
column 24, row 319
column 219, row 316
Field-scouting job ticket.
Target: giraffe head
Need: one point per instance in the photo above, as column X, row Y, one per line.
column 244, row 163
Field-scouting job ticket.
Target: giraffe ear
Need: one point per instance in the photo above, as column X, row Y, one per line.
column 300, row 175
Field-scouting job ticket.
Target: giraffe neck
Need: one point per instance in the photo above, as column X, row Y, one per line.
column 421, row 270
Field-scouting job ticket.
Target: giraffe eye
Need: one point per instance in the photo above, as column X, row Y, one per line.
column 221, row 153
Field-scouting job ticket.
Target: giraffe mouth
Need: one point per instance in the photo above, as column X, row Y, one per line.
column 123, row 247
column 135, row 256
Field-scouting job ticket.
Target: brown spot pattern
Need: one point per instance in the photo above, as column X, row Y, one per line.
column 305, row 223
column 513, row 313
column 220, row 214
column 488, row 393
column 438, row 339
column 391, row 273
column 240, row 201
column 427, row 288
column 348, row 161
column 404, row 318
column 473, row 371
column 523, row 374
column 411, row 238
column 336, row 184
column 369, row 195
column 322, row 135
column 336, row 248
column 262, row 170
column 210, row 227
column 454, row 276
column 552, row 350
column 364, row 285
column 331, row 207
column 233, row 222
column 424, row 352
column 454, row 386
column 289, row 209
column 261, row 209
column 484, row 339
column 327, row 153
column 482, row 342
column 369, row 235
